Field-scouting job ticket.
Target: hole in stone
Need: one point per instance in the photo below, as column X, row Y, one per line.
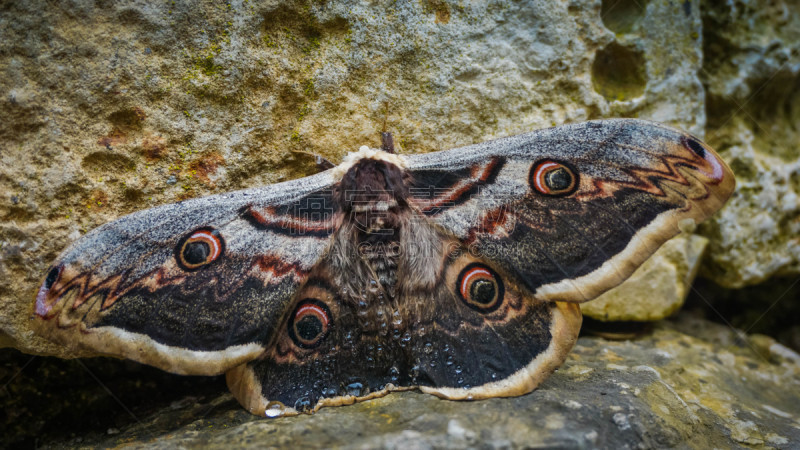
column 440, row 8
column 128, row 119
column 618, row 73
column 103, row 161
column 620, row 16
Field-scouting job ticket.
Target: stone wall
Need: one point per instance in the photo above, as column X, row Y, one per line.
column 111, row 107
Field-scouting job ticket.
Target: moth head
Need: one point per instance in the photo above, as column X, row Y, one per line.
column 365, row 152
column 374, row 184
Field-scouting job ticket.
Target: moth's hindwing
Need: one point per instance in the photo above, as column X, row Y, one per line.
column 470, row 334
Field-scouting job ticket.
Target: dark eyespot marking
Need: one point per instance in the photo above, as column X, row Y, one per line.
column 199, row 248
column 310, row 323
column 553, row 178
column 196, row 252
column 52, row 276
column 694, row 146
column 480, row 288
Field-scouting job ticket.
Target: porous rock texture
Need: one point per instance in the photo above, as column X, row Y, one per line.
column 751, row 71
column 656, row 289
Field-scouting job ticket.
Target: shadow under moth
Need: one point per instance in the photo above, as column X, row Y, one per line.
column 458, row 273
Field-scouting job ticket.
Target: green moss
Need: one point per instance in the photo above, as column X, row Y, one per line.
column 308, row 89
column 312, row 45
column 203, row 64
column 269, row 42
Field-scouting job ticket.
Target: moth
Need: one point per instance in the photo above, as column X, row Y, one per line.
column 458, row 273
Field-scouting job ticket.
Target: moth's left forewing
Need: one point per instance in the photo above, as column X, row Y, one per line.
column 195, row 287
column 516, row 204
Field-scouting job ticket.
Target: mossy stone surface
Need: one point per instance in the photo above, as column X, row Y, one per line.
column 752, row 76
